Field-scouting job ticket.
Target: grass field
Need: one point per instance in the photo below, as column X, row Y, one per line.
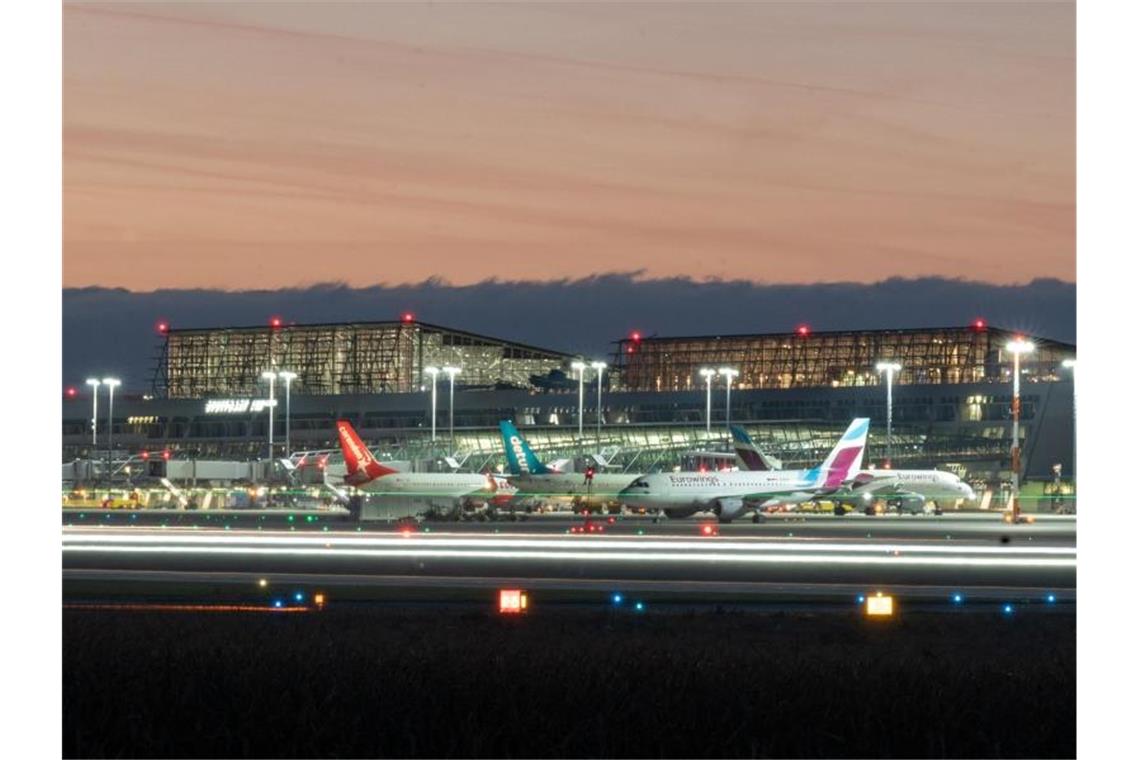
column 439, row 682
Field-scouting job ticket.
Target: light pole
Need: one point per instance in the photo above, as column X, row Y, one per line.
column 111, row 383
column 271, row 377
column 434, row 372
column 451, row 373
column 708, row 374
column 580, row 368
column 728, row 374
column 1017, row 347
column 288, row 377
column 1071, row 365
column 94, row 383
column 890, row 368
column 599, row 367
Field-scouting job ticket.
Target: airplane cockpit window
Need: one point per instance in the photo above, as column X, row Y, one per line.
column 640, row 484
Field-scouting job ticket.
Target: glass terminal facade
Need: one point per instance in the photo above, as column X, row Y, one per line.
column 366, row 357
column 806, row 359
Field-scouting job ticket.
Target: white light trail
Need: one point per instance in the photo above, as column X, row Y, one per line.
column 591, row 544
column 585, row 556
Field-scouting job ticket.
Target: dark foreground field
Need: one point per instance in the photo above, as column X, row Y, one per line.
column 442, row 683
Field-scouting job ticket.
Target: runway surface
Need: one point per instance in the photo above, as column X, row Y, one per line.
column 790, row 558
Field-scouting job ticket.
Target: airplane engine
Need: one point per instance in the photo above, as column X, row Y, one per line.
column 913, row 504
column 727, row 509
column 680, row 514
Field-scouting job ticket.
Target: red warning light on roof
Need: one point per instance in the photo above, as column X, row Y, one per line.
column 635, row 336
column 71, row 392
column 803, row 330
column 409, row 317
column 275, row 321
column 979, row 324
column 162, row 327
column 166, row 454
column 146, row 455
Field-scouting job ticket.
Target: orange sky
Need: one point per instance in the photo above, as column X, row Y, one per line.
column 273, row 144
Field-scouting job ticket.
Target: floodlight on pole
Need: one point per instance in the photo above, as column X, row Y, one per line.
column 434, row 373
column 111, row 383
column 451, row 372
column 708, row 373
column 94, row 383
column 272, row 378
column 288, row 377
column 580, row 368
column 1017, row 347
column 599, row 367
column 728, row 373
column 1071, row 365
column 890, row 368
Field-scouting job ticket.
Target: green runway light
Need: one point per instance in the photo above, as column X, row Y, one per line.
column 290, row 518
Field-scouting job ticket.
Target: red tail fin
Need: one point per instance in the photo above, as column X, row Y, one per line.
column 361, row 465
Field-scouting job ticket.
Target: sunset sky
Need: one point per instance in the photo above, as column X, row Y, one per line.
column 262, row 145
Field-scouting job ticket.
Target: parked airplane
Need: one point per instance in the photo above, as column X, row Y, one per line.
column 906, row 490
column 394, row 494
column 731, row 494
column 537, row 481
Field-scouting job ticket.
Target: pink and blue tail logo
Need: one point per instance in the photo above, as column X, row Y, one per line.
column 846, row 459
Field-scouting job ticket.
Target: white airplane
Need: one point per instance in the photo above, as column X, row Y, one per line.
column 907, row 490
column 396, row 494
column 731, row 494
column 538, row 481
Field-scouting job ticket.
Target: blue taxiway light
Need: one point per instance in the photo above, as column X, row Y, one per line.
column 277, row 603
column 639, row 607
column 957, row 598
column 299, row 597
column 617, row 598
column 1051, row 598
column 1007, row 609
column 860, row 599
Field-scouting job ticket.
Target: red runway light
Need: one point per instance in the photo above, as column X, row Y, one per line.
column 512, row 601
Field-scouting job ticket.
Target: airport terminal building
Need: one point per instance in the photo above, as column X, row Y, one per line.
column 795, row 392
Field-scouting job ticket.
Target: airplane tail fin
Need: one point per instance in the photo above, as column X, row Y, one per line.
column 748, row 452
column 846, row 458
column 361, row 466
column 520, row 458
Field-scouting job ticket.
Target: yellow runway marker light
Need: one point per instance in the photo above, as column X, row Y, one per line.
column 880, row 606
